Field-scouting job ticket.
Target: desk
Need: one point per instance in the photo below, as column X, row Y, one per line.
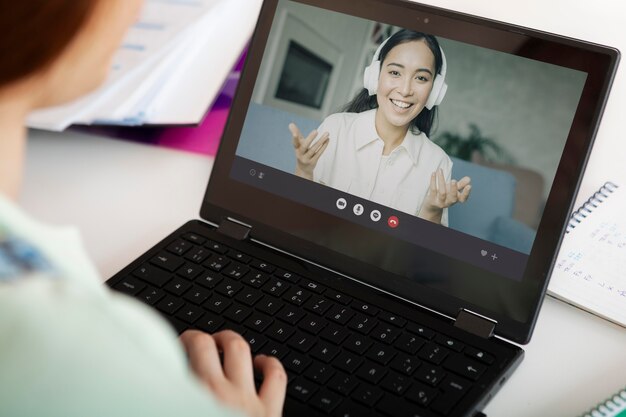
column 126, row 197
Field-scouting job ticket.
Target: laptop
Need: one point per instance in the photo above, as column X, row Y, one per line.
column 387, row 202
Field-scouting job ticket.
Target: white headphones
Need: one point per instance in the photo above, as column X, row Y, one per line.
column 372, row 73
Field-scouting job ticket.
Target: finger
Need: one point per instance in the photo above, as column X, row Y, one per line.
column 463, row 182
column 432, row 188
column 237, row 359
column 317, row 156
column 272, row 391
column 441, row 185
column 203, row 356
column 453, row 192
column 295, row 134
column 465, row 194
column 309, row 139
column 315, row 148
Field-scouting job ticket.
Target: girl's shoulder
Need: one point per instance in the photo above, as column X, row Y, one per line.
column 345, row 119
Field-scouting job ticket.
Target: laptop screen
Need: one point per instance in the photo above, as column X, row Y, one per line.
column 423, row 150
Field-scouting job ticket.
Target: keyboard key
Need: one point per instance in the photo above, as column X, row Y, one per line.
column 167, row 261
column 263, row 266
column 216, row 247
column 217, row 303
column 324, row 352
column 274, row 349
column 296, row 363
column 276, row 287
column 334, row 334
column 195, row 238
column 269, row 305
column 255, row 279
column 450, row 343
column 177, row 286
column 443, row 404
column 312, row 286
column 343, row 383
column 209, row 279
column 396, row 406
column 256, row 341
column 301, row 342
column 179, row 247
column 130, row 286
column 385, row 333
column 151, row 295
column 228, row 287
column 258, row 322
column 419, row 330
column 456, row 384
column 312, row 324
column 152, row 275
column 409, row 343
column 301, row 389
column 391, row 318
column 362, row 323
column 286, row 275
column 249, row 296
column 237, row 313
column 357, row 343
column 317, row 305
column 189, row 271
column 170, row 305
column 430, row 374
column 421, row 394
column 337, row 296
column 347, row 361
column 197, row 295
column 368, row 309
column 280, row 332
column 465, row 367
column 235, row 270
column 371, row 372
column 297, row 296
column 479, row 355
column 367, row 395
column 239, row 256
column 340, row 314
column 237, row 328
column 217, row 263
column 325, row 401
column 198, row 254
column 290, row 314
column 351, row 409
column 404, row 363
column 319, row 372
column 209, row 323
column 381, row 353
column 433, row 353
column 396, row 383
column 189, row 313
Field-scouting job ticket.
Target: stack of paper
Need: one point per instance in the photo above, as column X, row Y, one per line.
column 169, row 68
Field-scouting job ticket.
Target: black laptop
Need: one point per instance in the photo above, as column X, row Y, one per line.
column 373, row 308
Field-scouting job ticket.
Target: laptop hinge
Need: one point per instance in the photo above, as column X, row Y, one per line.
column 234, row 230
column 475, row 324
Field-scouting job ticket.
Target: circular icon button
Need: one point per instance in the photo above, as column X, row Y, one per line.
column 358, row 209
column 342, row 203
column 375, row 215
column 393, row 222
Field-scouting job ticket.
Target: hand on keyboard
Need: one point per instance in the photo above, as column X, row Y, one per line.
column 233, row 383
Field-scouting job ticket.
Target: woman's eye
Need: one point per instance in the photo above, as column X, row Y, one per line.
column 394, row 73
column 422, row 78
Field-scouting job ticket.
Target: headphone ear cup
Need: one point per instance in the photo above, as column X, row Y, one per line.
column 435, row 97
column 370, row 77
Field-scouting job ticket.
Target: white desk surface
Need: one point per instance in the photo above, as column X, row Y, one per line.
column 125, row 197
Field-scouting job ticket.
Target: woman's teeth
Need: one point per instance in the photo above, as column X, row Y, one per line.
column 401, row 104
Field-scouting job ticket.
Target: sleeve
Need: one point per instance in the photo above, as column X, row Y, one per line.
column 67, row 353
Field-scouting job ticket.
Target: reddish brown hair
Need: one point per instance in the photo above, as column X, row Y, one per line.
column 35, row 32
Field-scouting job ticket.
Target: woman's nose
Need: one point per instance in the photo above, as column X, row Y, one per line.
column 406, row 87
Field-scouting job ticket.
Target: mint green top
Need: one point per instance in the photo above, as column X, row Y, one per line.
column 70, row 347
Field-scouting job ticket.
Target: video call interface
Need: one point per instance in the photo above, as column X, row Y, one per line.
column 443, row 144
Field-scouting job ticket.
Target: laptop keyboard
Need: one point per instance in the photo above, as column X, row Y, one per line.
column 343, row 356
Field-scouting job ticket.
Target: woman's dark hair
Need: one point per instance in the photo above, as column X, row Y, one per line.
column 35, row 32
column 363, row 101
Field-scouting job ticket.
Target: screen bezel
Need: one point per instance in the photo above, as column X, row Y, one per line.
column 271, row 217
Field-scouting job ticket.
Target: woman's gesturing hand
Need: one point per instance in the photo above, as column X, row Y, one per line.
column 307, row 155
column 233, row 383
column 442, row 195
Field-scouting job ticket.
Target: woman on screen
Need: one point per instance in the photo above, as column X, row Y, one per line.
column 379, row 148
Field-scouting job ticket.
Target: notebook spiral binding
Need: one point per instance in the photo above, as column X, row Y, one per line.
column 590, row 205
column 612, row 407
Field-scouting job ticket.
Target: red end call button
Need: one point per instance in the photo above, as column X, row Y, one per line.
column 393, row 222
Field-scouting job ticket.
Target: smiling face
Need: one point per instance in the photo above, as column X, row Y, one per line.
column 406, row 79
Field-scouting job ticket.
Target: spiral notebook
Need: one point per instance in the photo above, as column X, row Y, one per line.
column 612, row 407
column 590, row 271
